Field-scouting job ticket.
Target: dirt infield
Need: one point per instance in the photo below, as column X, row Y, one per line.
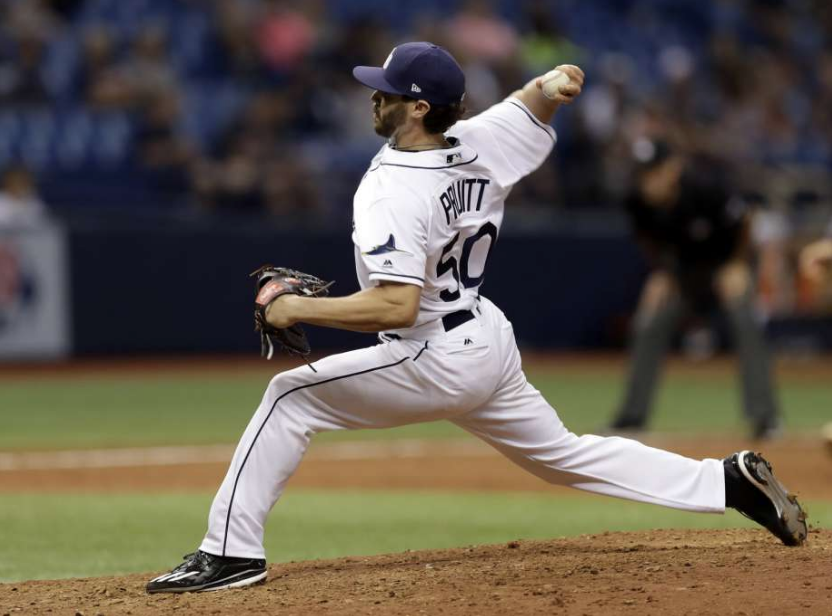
column 661, row 572
column 804, row 464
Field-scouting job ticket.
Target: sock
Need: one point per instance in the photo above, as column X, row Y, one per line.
column 734, row 482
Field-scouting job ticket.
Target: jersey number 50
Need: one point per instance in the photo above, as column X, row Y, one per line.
column 460, row 271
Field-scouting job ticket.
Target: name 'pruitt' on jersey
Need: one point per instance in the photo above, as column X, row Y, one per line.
column 454, row 200
column 431, row 218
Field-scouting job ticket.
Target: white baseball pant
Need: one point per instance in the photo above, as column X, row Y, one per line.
column 471, row 376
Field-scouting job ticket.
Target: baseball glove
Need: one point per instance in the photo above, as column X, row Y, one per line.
column 272, row 282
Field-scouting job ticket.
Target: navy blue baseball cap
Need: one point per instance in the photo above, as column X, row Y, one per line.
column 419, row 70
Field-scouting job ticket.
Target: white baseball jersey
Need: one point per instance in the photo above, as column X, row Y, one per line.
column 431, row 218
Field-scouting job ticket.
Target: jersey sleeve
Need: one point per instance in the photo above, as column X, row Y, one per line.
column 509, row 133
column 392, row 237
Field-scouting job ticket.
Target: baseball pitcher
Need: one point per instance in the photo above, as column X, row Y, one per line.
column 427, row 216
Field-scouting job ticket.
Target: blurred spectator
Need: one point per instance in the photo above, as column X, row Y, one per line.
column 234, row 21
column 595, row 171
column 159, row 143
column 26, row 26
column 749, row 81
column 143, row 74
column 20, row 205
column 287, row 33
column 770, row 233
column 289, row 189
column 252, row 169
column 815, row 269
column 231, row 184
column 28, row 18
column 543, row 46
column 479, row 33
column 816, row 260
column 99, row 81
column 486, row 46
column 21, row 81
column 162, row 150
column 147, row 68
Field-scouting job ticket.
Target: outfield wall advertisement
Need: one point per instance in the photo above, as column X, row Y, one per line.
column 34, row 297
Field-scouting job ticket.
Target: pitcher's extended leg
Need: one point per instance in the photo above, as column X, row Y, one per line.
column 522, row 425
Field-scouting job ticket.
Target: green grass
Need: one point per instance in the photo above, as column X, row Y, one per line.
column 62, row 535
column 685, row 402
column 126, row 411
column 178, row 409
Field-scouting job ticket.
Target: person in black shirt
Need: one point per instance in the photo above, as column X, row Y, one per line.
column 694, row 233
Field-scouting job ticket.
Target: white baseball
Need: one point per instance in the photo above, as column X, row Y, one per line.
column 552, row 81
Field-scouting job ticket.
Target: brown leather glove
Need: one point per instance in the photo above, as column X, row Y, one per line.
column 272, row 282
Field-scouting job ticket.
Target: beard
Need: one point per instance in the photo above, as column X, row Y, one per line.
column 386, row 124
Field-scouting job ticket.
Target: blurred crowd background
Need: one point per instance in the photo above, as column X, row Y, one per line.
column 211, row 110
column 246, row 105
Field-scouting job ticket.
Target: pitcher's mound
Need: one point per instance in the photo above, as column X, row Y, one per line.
column 658, row 572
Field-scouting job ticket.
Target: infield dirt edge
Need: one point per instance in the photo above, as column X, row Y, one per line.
column 670, row 572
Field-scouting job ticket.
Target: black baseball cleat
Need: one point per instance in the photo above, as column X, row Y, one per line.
column 752, row 489
column 202, row 571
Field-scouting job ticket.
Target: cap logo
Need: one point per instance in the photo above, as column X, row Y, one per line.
column 390, row 57
column 415, row 88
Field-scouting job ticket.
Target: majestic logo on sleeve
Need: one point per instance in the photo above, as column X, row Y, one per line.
column 388, row 246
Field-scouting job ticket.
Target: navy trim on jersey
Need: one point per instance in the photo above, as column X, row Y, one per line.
column 453, row 142
column 424, row 348
column 263, row 425
column 544, row 127
column 383, row 164
column 392, row 274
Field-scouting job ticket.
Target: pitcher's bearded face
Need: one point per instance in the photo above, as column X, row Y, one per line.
column 389, row 112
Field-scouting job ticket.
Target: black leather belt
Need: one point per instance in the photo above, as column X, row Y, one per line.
column 455, row 319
